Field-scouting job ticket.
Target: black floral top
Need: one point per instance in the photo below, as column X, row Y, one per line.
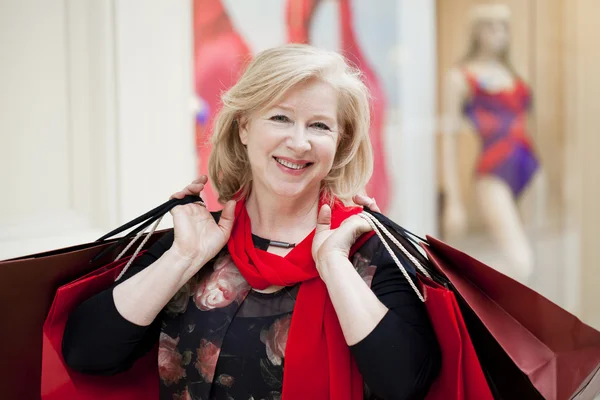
column 218, row 339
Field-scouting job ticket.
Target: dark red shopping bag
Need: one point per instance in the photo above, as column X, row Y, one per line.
column 60, row 382
column 530, row 347
column 527, row 346
column 461, row 376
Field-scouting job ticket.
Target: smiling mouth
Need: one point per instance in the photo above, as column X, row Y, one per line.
column 292, row 165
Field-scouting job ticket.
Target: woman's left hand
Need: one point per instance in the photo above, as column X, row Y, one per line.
column 334, row 244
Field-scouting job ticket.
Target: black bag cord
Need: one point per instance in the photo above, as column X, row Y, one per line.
column 143, row 222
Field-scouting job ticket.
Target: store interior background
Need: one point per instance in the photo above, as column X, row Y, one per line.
column 97, row 118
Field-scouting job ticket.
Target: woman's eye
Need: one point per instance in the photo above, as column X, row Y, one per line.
column 321, row 126
column 279, row 118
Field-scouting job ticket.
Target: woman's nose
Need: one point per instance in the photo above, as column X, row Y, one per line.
column 299, row 139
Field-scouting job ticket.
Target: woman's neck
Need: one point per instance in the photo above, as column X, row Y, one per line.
column 282, row 218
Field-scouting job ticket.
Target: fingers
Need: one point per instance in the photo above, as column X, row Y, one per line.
column 355, row 226
column 203, row 179
column 366, row 201
column 191, row 209
column 193, row 189
column 373, row 206
column 323, row 219
column 227, row 217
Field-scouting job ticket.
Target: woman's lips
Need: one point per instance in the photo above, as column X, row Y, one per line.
column 290, row 166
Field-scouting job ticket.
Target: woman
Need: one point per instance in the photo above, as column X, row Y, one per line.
column 265, row 302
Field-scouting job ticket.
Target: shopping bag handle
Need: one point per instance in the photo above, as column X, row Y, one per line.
column 142, row 222
column 151, row 215
column 407, row 244
column 408, row 235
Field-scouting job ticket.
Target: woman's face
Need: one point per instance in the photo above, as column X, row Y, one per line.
column 291, row 146
column 493, row 36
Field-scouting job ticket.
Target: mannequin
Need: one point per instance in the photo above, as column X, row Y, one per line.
column 485, row 90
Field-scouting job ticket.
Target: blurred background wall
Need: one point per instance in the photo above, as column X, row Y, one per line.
column 95, row 120
column 98, row 116
column 552, row 45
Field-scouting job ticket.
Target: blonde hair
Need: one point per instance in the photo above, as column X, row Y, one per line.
column 268, row 77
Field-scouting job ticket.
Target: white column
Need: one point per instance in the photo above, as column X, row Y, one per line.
column 54, row 175
column 156, row 154
column 413, row 162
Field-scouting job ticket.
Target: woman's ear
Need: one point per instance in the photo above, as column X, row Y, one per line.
column 243, row 130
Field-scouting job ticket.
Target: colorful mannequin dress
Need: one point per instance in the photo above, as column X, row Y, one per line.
column 500, row 119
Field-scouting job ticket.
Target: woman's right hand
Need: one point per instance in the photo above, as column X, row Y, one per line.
column 198, row 238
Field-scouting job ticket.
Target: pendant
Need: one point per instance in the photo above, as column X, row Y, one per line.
column 283, row 245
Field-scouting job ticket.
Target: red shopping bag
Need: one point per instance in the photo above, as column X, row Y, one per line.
column 28, row 287
column 461, row 376
column 59, row 382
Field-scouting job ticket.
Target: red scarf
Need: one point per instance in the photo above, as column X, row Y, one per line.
column 318, row 362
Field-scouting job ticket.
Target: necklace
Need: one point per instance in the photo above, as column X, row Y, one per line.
column 264, row 244
column 283, row 245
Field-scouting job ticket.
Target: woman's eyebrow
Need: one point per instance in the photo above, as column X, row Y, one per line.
column 283, row 107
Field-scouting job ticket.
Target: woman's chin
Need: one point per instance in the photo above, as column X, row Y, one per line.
column 293, row 190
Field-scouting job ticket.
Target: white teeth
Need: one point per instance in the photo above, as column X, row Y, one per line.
column 289, row 164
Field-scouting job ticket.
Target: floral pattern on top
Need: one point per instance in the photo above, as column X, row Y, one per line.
column 220, row 340
column 170, row 368
column 275, row 339
column 206, row 362
column 185, row 395
column 179, row 302
column 221, row 288
column 364, row 268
